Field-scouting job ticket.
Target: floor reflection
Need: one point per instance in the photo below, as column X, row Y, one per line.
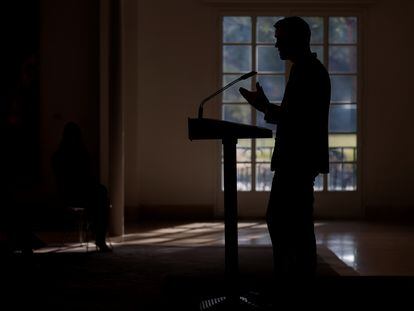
column 343, row 245
column 370, row 249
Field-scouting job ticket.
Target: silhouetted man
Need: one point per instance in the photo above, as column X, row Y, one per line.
column 301, row 149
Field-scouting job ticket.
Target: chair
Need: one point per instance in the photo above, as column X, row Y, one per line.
column 83, row 227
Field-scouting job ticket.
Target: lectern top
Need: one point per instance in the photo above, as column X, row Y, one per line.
column 201, row 128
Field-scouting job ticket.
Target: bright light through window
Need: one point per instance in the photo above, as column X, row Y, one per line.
column 248, row 44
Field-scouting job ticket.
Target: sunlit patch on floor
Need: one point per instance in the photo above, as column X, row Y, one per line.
column 200, row 233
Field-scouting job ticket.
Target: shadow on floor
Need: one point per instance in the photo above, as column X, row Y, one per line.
column 172, row 278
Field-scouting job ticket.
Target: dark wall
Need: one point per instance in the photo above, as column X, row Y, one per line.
column 19, row 92
column 69, row 91
column 49, row 75
column 20, row 171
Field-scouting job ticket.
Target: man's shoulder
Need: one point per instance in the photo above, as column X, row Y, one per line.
column 312, row 72
column 311, row 64
column 316, row 64
column 317, row 72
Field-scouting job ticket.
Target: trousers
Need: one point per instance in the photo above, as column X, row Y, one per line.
column 290, row 223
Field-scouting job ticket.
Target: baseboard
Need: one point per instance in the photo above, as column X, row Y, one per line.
column 394, row 213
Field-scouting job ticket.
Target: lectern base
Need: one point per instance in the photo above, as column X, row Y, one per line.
column 221, row 303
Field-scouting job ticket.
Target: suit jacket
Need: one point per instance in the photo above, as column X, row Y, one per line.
column 302, row 120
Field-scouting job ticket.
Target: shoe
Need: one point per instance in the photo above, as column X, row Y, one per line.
column 103, row 248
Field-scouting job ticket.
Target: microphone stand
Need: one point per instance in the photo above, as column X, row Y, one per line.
column 243, row 77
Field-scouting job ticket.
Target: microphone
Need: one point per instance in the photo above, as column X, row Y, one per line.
column 243, row 77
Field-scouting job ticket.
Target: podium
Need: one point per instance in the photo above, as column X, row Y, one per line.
column 228, row 133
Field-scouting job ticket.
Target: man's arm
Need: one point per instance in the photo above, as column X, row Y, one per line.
column 272, row 113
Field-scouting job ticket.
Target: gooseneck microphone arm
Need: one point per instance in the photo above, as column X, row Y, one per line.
column 243, row 77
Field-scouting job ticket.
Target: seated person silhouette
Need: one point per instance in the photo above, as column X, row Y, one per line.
column 76, row 184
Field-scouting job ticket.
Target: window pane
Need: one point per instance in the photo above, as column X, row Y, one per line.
column 342, row 59
column 342, row 118
column 264, row 177
column 268, row 60
column 237, row 58
column 237, row 29
column 273, row 86
column 349, row 154
column 244, row 177
column 342, row 30
column 342, row 140
column 318, row 185
column 264, row 149
column 342, row 154
column 318, row 49
column 237, row 113
column 335, row 155
column 232, row 94
column 316, row 26
column 265, row 29
column 335, row 177
column 342, row 177
column 244, row 150
column 260, row 121
column 343, row 89
column 349, row 176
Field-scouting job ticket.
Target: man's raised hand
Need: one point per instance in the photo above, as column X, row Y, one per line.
column 256, row 98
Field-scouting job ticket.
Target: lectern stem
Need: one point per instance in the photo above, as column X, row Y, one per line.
column 230, row 220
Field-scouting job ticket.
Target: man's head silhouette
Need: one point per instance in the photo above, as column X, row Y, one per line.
column 292, row 38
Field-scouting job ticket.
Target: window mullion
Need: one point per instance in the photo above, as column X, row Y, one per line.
column 325, row 41
column 254, row 116
column 326, row 63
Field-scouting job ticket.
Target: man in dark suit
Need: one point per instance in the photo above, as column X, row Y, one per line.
column 301, row 149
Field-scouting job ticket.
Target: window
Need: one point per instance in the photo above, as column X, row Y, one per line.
column 248, row 44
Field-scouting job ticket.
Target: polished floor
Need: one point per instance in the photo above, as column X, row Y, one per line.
column 174, row 262
column 370, row 249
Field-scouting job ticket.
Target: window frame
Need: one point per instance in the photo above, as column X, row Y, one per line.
column 336, row 204
column 254, row 58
